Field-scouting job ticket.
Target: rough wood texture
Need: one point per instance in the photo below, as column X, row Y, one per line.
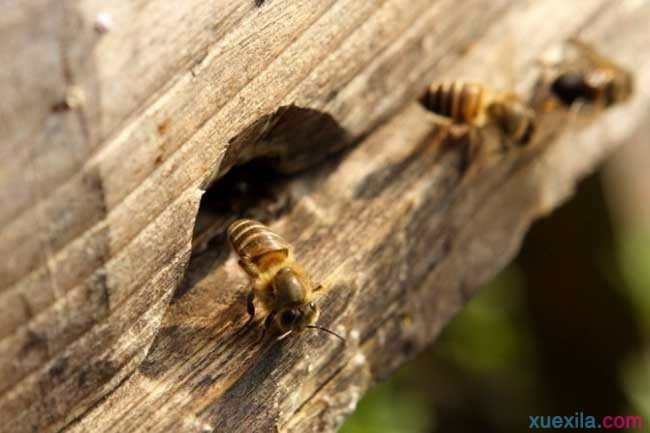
column 110, row 139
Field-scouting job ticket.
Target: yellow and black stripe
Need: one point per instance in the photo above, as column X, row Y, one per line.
column 255, row 241
column 462, row 102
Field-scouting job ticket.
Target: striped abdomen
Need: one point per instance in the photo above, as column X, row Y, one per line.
column 461, row 102
column 255, row 241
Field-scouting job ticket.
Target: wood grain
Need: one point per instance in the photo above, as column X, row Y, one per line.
column 100, row 199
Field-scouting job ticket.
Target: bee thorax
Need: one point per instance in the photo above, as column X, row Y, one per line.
column 289, row 287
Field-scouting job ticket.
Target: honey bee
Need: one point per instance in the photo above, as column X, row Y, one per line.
column 584, row 76
column 278, row 281
column 473, row 104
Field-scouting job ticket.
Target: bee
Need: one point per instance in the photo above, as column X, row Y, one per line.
column 278, row 280
column 584, row 76
column 474, row 104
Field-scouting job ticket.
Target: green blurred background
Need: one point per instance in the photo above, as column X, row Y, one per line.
column 564, row 328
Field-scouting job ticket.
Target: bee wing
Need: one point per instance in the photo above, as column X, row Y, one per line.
column 590, row 56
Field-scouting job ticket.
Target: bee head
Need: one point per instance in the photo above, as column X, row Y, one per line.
column 601, row 86
column 570, row 87
column 297, row 318
column 514, row 118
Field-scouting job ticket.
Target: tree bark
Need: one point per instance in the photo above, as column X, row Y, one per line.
column 121, row 307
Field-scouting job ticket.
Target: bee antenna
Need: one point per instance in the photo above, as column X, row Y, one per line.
column 329, row 331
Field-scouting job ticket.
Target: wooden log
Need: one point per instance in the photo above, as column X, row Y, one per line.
column 112, row 138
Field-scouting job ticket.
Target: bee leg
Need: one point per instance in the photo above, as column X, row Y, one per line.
column 267, row 325
column 282, row 337
column 574, row 113
column 458, row 131
column 577, row 108
column 470, row 146
column 248, row 266
column 250, row 306
column 475, row 144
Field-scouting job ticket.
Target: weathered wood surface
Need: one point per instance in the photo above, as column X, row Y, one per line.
column 100, row 200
